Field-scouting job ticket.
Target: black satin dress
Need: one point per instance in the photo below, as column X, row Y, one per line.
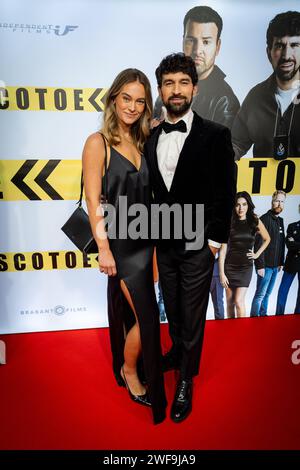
column 238, row 267
column 134, row 262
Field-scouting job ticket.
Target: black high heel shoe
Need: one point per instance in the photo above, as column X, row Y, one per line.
column 140, row 399
column 120, row 380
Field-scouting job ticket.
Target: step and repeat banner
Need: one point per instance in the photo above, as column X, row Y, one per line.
column 57, row 60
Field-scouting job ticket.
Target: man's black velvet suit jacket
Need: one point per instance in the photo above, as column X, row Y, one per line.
column 205, row 174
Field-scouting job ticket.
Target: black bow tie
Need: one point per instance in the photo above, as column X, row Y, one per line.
column 179, row 126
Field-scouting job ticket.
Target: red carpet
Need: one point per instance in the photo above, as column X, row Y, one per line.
column 57, row 392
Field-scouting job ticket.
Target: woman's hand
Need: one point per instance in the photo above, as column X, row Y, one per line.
column 107, row 264
column 224, row 281
column 154, row 123
column 252, row 255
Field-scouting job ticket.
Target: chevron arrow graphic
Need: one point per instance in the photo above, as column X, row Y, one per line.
column 18, row 178
column 41, row 180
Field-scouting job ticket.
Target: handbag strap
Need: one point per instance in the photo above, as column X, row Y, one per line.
column 105, row 176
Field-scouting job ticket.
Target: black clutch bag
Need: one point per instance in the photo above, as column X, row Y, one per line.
column 78, row 228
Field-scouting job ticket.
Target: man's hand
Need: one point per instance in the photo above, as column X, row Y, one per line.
column 261, row 272
column 213, row 249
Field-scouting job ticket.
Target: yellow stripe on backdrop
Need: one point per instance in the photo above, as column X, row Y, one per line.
column 260, row 177
column 45, row 261
column 23, row 180
column 31, row 98
column 56, row 179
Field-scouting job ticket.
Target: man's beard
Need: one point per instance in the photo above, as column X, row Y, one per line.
column 176, row 109
column 277, row 210
column 285, row 76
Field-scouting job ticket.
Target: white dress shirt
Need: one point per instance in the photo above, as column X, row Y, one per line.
column 169, row 147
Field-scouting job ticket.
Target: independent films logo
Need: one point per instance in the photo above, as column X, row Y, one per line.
column 58, row 30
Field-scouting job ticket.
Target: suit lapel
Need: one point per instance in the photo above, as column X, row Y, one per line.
column 153, row 157
column 188, row 146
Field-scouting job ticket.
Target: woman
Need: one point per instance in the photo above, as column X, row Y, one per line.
column 236, row 263
column 132, row 305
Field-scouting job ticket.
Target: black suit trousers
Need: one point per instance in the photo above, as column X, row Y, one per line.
column 185, row 278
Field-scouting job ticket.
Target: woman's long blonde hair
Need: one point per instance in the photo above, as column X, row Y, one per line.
column 141, row 128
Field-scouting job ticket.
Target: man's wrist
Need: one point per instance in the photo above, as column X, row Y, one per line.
column 214, row 244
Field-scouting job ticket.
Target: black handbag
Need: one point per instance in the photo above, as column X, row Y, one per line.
column 78, row 228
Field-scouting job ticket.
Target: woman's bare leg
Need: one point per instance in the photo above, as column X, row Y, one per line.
column 230, row 303
column 132, row 350
column 240, row 301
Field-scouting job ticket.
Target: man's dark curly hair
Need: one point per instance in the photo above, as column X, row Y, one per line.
column 284, row 24
column 176, row 62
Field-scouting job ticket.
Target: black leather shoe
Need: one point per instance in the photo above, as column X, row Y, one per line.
column 140, row 399
column 182, row 404
column 169, row 361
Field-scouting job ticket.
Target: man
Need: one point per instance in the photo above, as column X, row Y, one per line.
column 215, row 99
column 269, row 117
column 291, row 268
column 191, row 161
column 271, row 261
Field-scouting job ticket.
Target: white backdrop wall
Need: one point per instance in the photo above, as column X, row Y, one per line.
column 82, row 45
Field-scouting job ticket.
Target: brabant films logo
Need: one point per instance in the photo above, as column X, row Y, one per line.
column 59, row 310
column 58, row 30
column 56, row 310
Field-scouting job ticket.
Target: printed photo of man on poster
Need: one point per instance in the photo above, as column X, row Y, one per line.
column 269, row 117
